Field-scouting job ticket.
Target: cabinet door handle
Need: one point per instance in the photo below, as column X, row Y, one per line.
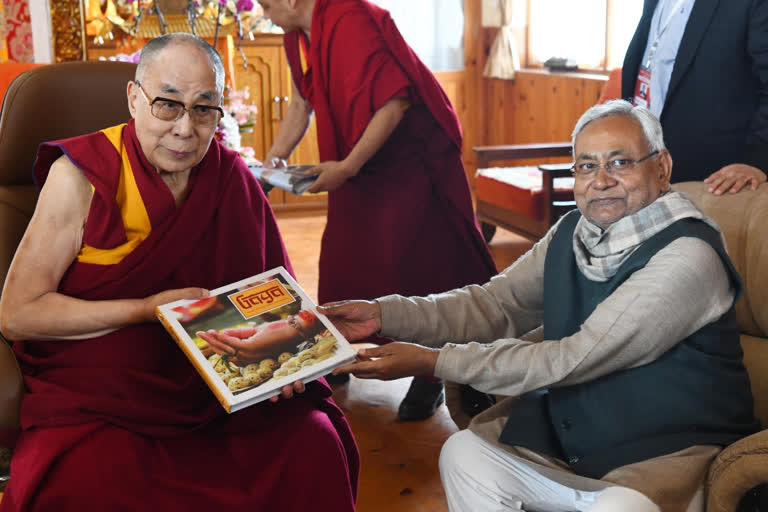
column 284, row 108
column 278, row 110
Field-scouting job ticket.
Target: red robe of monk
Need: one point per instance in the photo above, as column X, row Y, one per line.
column 123, row 421
column 405, row 223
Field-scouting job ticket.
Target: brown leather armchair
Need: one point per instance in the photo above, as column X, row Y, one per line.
column 46, row 103
column 742, row 217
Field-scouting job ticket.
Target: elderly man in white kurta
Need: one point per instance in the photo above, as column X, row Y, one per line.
column 616, row 336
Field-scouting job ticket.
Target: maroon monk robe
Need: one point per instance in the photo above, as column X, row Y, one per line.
column 123, row 421
column 405, row 223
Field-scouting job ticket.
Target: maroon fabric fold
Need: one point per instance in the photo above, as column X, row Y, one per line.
column 127, row 409
column 405, row 224
column 357, row 62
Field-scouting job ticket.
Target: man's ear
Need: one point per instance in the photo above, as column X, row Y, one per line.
column 132, row 91
column 665, row 168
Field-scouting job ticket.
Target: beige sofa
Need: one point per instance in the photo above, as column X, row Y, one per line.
column 742, row 466
column 743, row 217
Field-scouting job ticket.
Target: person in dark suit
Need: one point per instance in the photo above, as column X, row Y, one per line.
column 711, row 89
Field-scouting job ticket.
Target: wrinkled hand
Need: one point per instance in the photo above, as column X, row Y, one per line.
column 355, row 319
column 288, row 391
column 734, row 177
column 246, row 345
column 392, row 361
column 331, row 175
column 158, row 299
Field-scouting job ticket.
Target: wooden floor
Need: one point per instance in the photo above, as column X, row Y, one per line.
column 399, row 460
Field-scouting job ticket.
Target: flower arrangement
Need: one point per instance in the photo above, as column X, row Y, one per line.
column 244, row 113
column 228, row 132
column 239, row 117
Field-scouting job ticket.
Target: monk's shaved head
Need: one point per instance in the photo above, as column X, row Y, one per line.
column 156, row 46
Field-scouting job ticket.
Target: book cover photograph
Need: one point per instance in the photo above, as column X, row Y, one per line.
column 292, row 178
column 251, row 338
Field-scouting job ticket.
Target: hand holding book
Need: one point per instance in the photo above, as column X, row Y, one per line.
column 291, row 178
column 355, row 319
column 256, row 338
column 330, row 175
column 392, row 361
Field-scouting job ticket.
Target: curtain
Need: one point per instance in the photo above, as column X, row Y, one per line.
column 504, row 59
column 17, row 31
column 3, row 35
column 433, row 28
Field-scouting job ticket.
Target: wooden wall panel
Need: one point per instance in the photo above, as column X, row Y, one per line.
column 540, row 106
column 476, row 123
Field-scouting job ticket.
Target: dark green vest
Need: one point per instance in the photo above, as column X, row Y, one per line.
column 698, row 392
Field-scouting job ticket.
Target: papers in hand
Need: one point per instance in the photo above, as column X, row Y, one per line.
column 291, row 178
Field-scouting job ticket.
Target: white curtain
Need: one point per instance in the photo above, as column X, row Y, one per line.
column 504, row 59
column 40, row 20
column 433, row 28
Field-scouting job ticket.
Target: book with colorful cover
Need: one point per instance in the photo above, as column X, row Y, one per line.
column 291, row 178
column 250, row 338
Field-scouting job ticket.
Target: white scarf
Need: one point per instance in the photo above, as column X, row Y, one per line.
column 600, row 252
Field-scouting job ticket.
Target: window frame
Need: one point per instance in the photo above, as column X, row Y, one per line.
column 610, row 10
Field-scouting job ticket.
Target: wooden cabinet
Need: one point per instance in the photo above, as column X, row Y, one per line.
column 263, row 68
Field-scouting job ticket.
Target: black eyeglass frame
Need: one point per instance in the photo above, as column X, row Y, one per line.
column 184, row 108
column 610, row 168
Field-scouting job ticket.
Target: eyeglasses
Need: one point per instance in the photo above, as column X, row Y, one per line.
column 617, row 166
column 172, row 110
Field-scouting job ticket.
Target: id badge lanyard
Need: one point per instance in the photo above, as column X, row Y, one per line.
column 643, row 87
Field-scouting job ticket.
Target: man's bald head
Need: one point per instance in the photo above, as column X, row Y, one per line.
column 156, row 46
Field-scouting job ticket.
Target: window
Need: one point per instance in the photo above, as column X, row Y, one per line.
column 595, row 33
column 433, row 28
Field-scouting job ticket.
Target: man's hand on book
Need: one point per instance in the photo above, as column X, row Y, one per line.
column 331, row 175
column 355, row 319
column 392, row 361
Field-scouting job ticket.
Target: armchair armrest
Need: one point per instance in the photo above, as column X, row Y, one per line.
column 11, row 387
column 737, row 469
column 10, row 402
column 487, row 154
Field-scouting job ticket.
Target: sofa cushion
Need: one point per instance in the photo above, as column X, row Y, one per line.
column 742, row 218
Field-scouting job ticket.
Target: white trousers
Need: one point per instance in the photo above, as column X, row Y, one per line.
column 478, row 477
